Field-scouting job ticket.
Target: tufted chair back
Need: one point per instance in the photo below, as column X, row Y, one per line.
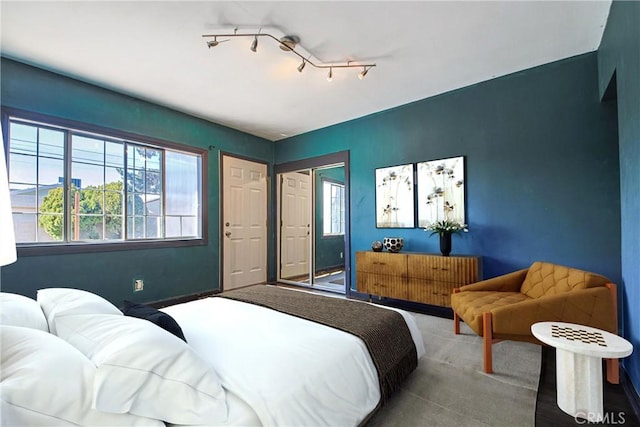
column 545, row 279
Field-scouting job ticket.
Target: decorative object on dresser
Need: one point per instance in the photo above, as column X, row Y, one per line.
column 395, row 197
column 445, row 229
column 413, row 276
column 393, row 244
column 377, row 246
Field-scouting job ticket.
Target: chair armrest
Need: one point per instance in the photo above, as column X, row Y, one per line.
column 507, row 283
column 591, row 307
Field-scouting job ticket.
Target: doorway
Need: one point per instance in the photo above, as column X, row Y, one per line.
column 243, row 222
column 312, row 213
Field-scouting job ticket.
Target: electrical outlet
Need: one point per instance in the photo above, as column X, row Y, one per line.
column 138, row 285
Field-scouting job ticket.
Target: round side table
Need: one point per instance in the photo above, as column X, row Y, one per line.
column 579, row 353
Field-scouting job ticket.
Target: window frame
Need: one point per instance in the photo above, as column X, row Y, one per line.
column 35, row 249
column 333, row 182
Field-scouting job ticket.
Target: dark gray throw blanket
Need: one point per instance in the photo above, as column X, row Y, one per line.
column 383, row 331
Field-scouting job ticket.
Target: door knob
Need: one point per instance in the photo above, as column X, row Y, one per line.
column 228, row 234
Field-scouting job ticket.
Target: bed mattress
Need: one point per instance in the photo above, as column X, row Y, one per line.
column 283, row 370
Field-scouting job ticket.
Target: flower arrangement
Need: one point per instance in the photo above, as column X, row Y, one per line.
column 446, row 227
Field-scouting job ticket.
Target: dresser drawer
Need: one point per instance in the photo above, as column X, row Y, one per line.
column 459, row 270
column 381, row 263
column 430, row 292
column 382, row 285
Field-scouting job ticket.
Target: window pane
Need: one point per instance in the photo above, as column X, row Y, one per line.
column 90, row 227
column 114, row 154
column 113, row 227
column 25, row 227
column 183, row 194
column 113, row 202
column 84, row 175
column 51, row 143
column 50, row 227
column 113, row 175
column 135, row 227
column 50, row 171
column 22, row 169
column 154, row 227
column 91, row 202
column 333, row 208
column 23, row 198
column 87, row 150
column 50, row 199
column 24, row 139
column 153, row 184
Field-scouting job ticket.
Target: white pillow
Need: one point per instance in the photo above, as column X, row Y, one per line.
column 45, row 382
column 18, row 310
column 57, row 302
column 145, row 370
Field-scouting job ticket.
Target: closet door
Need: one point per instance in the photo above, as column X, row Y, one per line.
column 295, row 225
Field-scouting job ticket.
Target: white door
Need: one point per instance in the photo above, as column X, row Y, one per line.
column 244, row 222
column 295, row 225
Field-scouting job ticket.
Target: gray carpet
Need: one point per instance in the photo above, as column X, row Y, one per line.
column 449, row 387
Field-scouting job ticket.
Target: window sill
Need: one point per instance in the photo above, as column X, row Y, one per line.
column 77, row 248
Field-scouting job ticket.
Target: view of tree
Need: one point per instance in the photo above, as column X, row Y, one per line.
column 94, row 201
column 145, row 177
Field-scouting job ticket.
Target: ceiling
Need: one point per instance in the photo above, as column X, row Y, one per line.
column 154, row 50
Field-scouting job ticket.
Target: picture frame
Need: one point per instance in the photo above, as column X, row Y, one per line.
column 395, row 196
column 441, row 191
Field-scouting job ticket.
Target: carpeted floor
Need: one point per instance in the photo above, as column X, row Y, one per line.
column 449, row 387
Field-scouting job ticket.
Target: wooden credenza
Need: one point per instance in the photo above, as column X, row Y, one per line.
column 419, row 277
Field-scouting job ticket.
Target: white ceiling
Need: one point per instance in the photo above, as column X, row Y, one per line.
column 154, row 50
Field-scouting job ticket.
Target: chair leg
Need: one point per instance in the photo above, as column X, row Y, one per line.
column 456, row 318
column 613, row 371
column 456, row 324
column 487, row 342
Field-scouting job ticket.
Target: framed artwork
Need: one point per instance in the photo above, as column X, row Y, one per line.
column 395, row 197
column 441, row 191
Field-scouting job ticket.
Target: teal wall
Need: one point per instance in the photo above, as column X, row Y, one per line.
column 327, row 249
column 541, row 167
column 619, row 52
column 167, row 272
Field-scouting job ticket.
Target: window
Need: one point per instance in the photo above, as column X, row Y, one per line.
column 72, row 186
column 333, row 208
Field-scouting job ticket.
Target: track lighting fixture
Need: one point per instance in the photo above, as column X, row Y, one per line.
column 363, row 73
column 215, row 42
column 288, row 44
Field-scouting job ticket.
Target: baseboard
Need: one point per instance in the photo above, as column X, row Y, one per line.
column 629, row 390
column 431, row 310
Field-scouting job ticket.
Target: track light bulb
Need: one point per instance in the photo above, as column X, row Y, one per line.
column 254, row 44
column 363, row 73
column 301, row 66
column 330, row 76
column 212, row 43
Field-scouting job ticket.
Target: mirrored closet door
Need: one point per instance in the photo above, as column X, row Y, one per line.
column 311, row 237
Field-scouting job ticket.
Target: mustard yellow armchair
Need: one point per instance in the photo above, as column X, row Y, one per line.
column 505, row 307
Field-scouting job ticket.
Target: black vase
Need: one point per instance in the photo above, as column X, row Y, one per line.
column 445, row 244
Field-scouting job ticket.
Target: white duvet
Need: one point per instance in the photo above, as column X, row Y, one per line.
column 290, row 371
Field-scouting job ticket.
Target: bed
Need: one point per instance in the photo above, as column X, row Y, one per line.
column 241, row 362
